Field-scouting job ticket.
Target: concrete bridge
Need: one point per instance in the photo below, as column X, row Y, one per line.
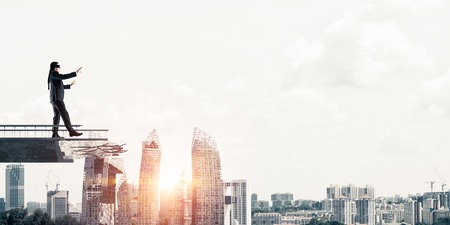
column 32, row 143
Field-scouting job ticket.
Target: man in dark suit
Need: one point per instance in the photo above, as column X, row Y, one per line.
column 56, row 86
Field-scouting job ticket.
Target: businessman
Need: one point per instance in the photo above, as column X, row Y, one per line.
column 56, row 87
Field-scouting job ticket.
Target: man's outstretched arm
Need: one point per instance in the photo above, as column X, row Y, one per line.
column 67, row 86
column 57, row 76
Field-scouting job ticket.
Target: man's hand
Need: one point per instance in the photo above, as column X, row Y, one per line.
column 73, row 83
column 79, row 70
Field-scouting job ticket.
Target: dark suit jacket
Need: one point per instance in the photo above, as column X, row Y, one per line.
column 57, row 86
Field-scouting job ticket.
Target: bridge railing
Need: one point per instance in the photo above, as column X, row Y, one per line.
column 45, row 131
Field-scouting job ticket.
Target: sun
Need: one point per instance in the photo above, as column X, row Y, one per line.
column 167, row 181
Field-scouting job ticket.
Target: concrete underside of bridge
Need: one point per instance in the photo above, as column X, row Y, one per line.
column 31, row 150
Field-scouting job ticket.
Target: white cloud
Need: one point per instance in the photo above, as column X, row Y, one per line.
column 304, row 51
column 427, row 128
column 37, row 110
column 306, row 108
column 433, row 98
column 180, row 88
column 411, row 6
column 366, row 47
column 402, row 139
column 238, row 84
column 11, row 117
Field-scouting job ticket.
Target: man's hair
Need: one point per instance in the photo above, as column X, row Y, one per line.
column 53, row 65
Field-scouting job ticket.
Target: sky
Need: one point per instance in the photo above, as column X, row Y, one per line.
column 298, row 94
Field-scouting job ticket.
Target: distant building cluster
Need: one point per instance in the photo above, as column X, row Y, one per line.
column 284, row 210
column 353, row 205
column 427, row 208
column 282, row 200
column 260, row 205
column 344, row 204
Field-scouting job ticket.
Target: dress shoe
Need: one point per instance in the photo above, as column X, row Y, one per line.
column 55, row 135
column 74, row 133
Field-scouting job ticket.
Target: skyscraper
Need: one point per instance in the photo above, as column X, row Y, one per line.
column 254, row 201
column 333, row 191
column 350, row 191
column 133, row 190
column 14, row 186
column 342, row 210
column 180, row 204
column 59, row 204
column 123, row 202
column 429, row 205
column 412, row 213
column 49, row 200
column 368, row 190
column 99, row 189
column 241, row 204
column 149, row 180
column 207, row 184
column 365, row 210
column 165, row 197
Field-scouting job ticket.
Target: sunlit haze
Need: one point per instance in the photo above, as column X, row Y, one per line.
column 297, row 94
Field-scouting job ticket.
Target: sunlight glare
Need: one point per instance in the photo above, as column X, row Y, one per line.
column 167, row 182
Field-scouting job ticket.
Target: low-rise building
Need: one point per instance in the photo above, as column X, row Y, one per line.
column 389, row 214
column 440, row 214
column 295, row 220
column 266, row 219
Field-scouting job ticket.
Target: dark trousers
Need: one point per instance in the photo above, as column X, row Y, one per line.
column 60, row 111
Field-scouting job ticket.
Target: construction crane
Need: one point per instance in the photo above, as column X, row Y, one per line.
column 443, row 182
column 48, row 180
column 432, row 183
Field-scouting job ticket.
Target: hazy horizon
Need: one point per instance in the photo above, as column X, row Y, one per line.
column 297, row 94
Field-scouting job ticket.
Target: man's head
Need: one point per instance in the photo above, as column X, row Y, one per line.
column 54, row 66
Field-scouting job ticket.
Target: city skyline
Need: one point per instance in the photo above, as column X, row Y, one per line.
column 299, row 94
column 172, row 181
column 348, row 204
column 238, row 189
column 154, row 139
